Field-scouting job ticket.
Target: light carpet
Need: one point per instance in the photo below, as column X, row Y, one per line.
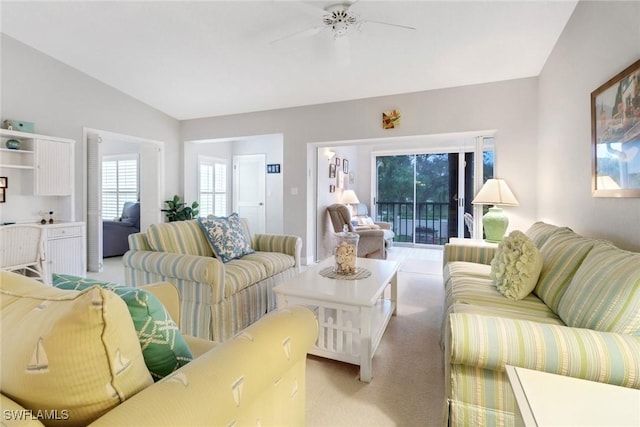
column 408, row 380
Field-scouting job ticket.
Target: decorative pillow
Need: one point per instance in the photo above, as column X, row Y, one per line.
column 562, row 255
column 604, row 294
column 163, row 346
column 226, row 236
column 516, row 266
column 71, row 353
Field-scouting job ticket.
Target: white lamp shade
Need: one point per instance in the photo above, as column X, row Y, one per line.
column 349, row 197
column 495, row 192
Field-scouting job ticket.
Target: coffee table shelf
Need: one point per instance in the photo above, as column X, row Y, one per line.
column 352, row 314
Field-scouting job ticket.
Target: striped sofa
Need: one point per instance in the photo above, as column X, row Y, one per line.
column 582, row 320
column 217, row 299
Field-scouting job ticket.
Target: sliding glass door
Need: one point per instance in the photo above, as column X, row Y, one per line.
column 425, row 195
column 417, row 194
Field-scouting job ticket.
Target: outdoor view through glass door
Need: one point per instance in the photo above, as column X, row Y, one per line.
column 425, row 196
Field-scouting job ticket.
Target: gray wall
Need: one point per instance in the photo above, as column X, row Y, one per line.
column 508, row 107
column 545, row 118
column 61, row 101
column 599, row 41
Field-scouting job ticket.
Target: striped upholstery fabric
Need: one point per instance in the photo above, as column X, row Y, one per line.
column 482, row 398
column 465, row 269
column 290, row 245
column 179, row 237
column 469, row 253
column 588, row 284
column 240, row 273
column 540, row 232
column 138, row 242
column 605, row 292
column 489, row 342
column 477, row 292
column 562, row 254
column 273, row 262
column 172, row 266
column 482, row 345
column 217, row 300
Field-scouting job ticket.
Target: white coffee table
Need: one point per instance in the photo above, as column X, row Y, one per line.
column 352, row 314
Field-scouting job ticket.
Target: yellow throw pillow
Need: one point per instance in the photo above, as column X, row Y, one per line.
column 516, row 266
column 69, row 355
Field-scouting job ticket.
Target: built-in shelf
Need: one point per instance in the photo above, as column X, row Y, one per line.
column 8, row 150
column 16, row 166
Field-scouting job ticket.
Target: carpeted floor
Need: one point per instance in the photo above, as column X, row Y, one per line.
column 408, row 381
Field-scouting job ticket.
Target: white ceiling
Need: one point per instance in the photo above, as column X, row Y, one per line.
column 212, row 58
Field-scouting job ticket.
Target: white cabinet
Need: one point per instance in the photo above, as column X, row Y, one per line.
column 65, row 249
column 53, row 168
column 41, row 177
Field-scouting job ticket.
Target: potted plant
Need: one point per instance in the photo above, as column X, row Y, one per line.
column 178, row 211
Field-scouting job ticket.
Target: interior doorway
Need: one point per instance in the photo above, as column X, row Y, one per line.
column 320, row 195
column 151, row 188
column 249, row 189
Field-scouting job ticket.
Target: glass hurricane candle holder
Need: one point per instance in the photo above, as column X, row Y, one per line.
column 345, row 253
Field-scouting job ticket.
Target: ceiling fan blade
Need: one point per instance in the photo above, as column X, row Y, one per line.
column 406, row 27
column 308, row 8
column 300, row 34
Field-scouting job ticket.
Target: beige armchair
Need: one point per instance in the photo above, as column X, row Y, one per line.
column 365, row 221
column 372, row 241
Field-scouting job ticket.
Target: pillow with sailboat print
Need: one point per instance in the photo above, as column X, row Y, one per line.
column 75, row 354
column 163, row 346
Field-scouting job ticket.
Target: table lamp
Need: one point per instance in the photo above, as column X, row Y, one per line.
column 348, row 198
column 495, row 192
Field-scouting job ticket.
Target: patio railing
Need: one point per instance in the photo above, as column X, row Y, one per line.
column 430, row 225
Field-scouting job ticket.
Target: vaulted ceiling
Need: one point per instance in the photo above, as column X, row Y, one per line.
column 212, row 58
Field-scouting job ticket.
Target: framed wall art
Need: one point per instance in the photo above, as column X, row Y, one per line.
column 615, row 135
column 390, row 119
column 4, row 182
column 332, row 170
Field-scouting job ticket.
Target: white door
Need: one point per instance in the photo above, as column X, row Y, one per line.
column 249, row 189
column 94, row 202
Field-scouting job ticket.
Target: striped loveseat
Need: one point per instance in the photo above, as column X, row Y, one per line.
column 582, row 320
column 217, row 299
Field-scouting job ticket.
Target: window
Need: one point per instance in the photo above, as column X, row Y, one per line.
column 212, row 186
column 119, row 183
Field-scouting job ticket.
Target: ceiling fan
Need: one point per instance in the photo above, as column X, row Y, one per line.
column 339, row 20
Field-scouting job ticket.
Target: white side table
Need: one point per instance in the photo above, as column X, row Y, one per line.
column 545, row 399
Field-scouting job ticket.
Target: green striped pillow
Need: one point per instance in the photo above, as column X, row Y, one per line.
column 562, row 254
column 540, row 232
column 604, row 294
